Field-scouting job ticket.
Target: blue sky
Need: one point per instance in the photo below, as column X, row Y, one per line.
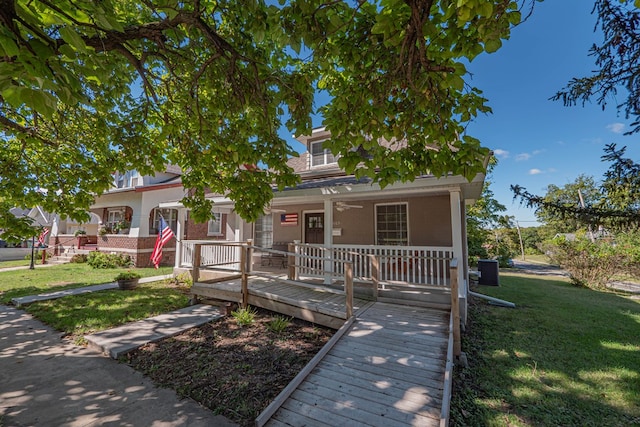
column 537, row 141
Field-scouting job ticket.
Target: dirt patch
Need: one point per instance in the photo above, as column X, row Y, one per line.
column 235, row 371
column 60, row 284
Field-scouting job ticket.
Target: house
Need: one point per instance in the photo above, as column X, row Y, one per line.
column 415, row 228
column 125, row 219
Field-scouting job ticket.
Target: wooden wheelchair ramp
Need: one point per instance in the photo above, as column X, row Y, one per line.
column 386, row 367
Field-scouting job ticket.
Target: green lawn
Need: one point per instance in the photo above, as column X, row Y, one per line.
column 78, row 315
column 18, row 263
column 19, row 283
column 565, row 356
column 82, row 314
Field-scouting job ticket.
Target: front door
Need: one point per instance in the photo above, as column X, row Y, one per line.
column 314, row 228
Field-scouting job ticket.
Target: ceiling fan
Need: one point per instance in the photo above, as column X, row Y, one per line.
column 270, row 209
column 343, row 206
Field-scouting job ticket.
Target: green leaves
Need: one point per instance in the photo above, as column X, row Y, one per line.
column 73, row 38
column 90, row 87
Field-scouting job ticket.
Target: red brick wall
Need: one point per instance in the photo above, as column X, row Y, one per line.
column 198, row 231
column 139, row 249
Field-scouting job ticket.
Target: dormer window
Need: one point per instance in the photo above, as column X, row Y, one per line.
column 320, row 156
column 127, row 179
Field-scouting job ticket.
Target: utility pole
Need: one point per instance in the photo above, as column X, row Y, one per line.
column 520, row 237
column 593, row 239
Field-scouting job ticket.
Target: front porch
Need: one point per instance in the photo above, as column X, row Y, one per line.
column 317, row 282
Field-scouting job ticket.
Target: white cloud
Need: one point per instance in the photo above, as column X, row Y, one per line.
column 523, row 156
column 501, row 153
column 534, row 171
column 616, row 127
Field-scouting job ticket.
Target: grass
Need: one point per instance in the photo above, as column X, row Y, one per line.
column 565, row 356
column 19, row 283
column 18, row 263
column 78, row 315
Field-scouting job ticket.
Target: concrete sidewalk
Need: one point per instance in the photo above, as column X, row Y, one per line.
column 47, row 381
column 26, row 300
column 118, row 341
column 25, row 267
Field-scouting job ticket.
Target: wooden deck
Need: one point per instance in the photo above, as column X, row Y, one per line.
column 386, row 368
column 314, row 303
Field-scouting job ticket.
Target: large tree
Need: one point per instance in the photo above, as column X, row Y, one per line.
column 89, row 87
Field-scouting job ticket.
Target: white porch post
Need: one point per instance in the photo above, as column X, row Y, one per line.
column 179, row 237
column 328, row 239
column 458, row 251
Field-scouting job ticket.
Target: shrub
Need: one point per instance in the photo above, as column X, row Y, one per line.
column 589, row 264
column 37, row 255
column 244, row 316
column 127, row 275
column 103, row 260
column 79, row 258
column 628, row 245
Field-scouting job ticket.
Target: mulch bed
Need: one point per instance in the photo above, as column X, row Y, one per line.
column 235, row 371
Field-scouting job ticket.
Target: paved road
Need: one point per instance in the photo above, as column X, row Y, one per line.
column 47, row 381
column 551, row 270
column 531, row 267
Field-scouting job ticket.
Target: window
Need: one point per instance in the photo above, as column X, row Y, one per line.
column 320, row 156
column 114, row 216
column 264, row 231
column 170, row 216
column 392, row 224
column 127, row 179
column 214, row 227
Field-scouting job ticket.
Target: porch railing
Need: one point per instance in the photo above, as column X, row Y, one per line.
column 222, row 255
column 416, row 265
column 420, row 265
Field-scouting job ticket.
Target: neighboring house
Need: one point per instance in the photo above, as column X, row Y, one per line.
column 410, row 224
column 125, row 219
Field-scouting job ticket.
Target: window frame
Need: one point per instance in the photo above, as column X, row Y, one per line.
column 172, row 221
column 216, row 220
column 267, row 222
column 404, row 242
column 114, row 216
column 327, row 157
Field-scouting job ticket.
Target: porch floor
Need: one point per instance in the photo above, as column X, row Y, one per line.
column 305, row 301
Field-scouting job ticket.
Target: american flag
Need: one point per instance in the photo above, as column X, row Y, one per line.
column 42, row 236
column 164, row 235
column 289, row 219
